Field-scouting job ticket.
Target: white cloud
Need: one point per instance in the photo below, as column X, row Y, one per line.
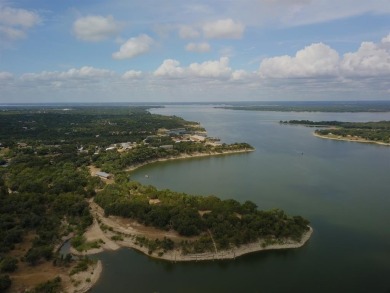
column 18, row 17
column 188, row 32
column 370, row 60
column 223, row 29
column 319, row 60
column 240, row 75
column 132, row 74
column 362, row 74
column 14, row 23
column 215, row 69
column 83, row 73
column 315, row 60
column 87, row 71
column 95, row 28
column 198, row 47
column 134, row 47
column 169, row 68
column 386, row 39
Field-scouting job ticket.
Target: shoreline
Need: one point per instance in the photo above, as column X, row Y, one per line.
column 341, row 138
column 83, row 281
column 229, row 254
column 186, row 156
column 129, row 233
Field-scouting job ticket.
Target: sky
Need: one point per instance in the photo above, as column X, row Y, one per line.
column 194, row 51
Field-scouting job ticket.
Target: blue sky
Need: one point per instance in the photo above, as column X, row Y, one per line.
column 222, row 50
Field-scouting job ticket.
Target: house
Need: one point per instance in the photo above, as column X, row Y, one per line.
column 126, row 145
column 103, row 175
column 166, row 147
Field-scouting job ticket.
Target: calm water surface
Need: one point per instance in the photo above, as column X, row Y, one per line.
column 343, row 188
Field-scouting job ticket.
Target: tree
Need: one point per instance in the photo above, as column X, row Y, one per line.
column 8, row 264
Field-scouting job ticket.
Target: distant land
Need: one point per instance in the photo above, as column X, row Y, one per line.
column 339, row 107
column 281, row 106
column 368, row 132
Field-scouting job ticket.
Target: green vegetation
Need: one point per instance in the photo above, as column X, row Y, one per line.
column 51, row 286
column 112, row 161
column 227, row 222
column 44, row 176
column 370, row 131
column 54, row 129
column 80, row 244
column 162, row 245
column 82, row 265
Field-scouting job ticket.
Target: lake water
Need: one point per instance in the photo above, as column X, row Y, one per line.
column 343, row 188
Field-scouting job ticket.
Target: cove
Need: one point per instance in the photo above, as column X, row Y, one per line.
column 341, row 187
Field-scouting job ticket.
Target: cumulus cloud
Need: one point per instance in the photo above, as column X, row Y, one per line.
column 134, row 47
column 14, row 23
column 198, row 47
column 213, row 70
column 318, row 60
column 240, row 75
column 370, row 60
column 132, row 74
column 95, row 28
column 169, row 68
column 223, row 29
column 312, row 61
column 216, row 69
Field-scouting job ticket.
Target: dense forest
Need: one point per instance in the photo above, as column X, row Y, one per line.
column 370, row 131
column 45, row 180
column 81, row 126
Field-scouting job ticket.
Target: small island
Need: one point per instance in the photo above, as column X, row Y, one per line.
column 365, row 132
column 65, row 175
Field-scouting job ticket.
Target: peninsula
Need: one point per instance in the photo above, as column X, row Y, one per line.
column 364, row 132
column 64, row 174
column 179, row 227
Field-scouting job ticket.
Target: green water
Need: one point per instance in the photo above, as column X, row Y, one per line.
column 341, row 187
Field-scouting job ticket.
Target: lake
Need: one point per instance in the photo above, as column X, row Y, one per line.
column 341, row 187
